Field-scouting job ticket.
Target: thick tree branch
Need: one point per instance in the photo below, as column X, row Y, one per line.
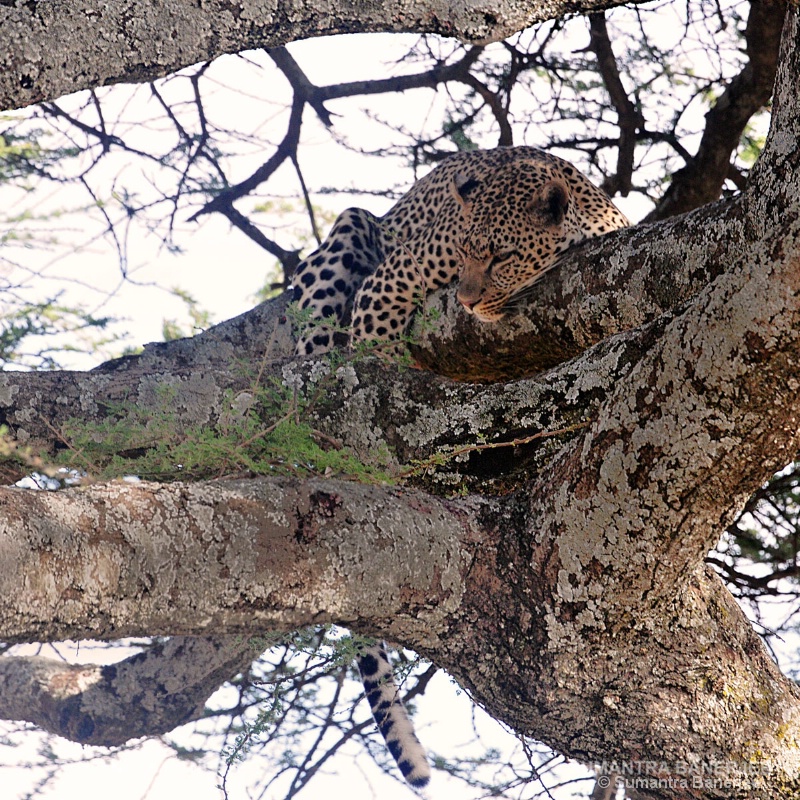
column 230, row 557
column 441, row 576
column 51, row 49
column 147, row 694
column 541, row 602
column 621, row 281
column 361, row 404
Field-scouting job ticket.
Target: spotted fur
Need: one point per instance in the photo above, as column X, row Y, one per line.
column 495, row 220
column 391, row 716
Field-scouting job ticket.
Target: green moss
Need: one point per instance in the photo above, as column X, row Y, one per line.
column 270, row 436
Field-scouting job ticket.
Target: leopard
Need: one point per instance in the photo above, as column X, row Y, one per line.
column 493, row 220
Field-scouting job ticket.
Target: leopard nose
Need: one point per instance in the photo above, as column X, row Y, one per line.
column 468, row 304
column 468, row 296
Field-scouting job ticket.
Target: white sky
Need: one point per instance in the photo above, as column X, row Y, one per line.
column 221, row 268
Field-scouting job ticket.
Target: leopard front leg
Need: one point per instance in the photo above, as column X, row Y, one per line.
column 388, row 298
column 325, row 280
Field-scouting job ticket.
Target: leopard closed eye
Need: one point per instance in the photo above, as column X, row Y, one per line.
column 494, row 220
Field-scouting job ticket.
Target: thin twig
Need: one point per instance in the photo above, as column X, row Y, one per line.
column 440, row 458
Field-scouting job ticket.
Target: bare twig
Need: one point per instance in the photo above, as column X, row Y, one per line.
column 439, row 458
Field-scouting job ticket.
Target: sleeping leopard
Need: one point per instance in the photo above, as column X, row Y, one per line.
column 496, row 221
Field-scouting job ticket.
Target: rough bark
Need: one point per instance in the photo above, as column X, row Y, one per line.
column 51, row 49
column 575, row 608
column 234, row 556
column 619, row 282
column 152, row 692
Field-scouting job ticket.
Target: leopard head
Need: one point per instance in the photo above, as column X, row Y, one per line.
column 517, row 225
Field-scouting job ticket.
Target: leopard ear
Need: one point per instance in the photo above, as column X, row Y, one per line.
column 550, row 203
column 464, row 188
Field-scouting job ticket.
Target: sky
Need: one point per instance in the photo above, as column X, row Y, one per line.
column 218, row 266
column 446, row 722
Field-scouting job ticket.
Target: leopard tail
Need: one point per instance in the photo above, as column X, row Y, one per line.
column 391, row 716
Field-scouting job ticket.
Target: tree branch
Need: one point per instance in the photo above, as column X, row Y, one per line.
column 150, row 693
column 301, row 85
column 48, row 50
column 629, row 118
column 589, row 567
column 113, row 560
column 621, row 281
column 701, row 180
column 285, row 150
column 315, row 96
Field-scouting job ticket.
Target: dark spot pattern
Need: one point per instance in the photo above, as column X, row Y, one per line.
column 452, row 223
